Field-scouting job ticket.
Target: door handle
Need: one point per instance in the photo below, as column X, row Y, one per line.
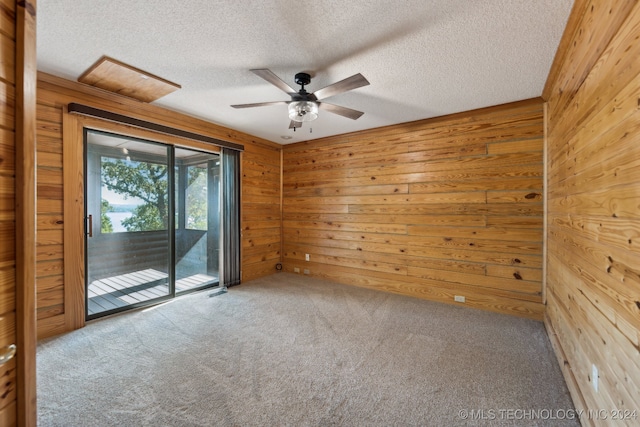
column 7, row 354
column 90, row 225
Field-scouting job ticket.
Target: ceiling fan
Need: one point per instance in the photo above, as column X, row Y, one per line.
column 304, row 106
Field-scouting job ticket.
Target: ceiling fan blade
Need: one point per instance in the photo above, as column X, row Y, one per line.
column 260, row 104
column 295, row 125
column 341, row 111
column 269, row 76
column 350, row 83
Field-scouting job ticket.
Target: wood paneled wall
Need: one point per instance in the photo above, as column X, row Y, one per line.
column 260, row 189
column 261, row 213
column 593, row 137
column 432, row 209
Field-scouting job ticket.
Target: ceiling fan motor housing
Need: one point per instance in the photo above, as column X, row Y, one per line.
column 303, row 79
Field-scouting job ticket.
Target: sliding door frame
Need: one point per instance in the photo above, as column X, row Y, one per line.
column 94, row 184
column 181, row 209
column 74, row 203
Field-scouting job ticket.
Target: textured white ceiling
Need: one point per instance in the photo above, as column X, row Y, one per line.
column 423, row 58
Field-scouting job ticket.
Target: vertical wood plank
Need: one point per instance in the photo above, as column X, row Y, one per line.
column 8, row 332
column 26, row 77
column 74, row 251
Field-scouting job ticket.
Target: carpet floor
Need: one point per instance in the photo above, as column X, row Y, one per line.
column 293, row 350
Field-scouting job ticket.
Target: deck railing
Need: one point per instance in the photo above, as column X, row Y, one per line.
column 132, row 267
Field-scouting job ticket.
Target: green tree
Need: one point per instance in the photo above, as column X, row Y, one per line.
column 105, row 222
column 143, row 180
column 196, row 198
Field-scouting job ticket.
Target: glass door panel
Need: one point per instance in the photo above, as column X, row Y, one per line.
column 128, row 255
column 197, row 236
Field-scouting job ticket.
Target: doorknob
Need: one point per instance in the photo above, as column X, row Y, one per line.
column 7, row 353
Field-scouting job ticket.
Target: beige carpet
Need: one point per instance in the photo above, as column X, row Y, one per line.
column 292, row 350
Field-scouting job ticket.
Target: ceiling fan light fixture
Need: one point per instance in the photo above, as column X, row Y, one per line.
column 303, row 111
column 304, row 106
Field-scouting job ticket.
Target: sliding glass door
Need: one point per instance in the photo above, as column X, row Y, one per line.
column 150, row 233
column 197, row 242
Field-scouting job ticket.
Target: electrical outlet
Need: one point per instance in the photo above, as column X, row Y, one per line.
column 459, row 298
column 306, row 271
column 296, row 270
column 306, row 257
column 594, row 377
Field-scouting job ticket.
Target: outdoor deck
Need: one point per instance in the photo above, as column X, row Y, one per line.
column 119, row 291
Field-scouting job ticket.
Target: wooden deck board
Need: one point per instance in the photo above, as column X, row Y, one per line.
column 194, row 281
column 98, row 288
column 94, row 307
column 110, row 293
column 108, row 302
column 114, row 301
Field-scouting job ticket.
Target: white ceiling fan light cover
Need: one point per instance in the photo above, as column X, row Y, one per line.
column 303, row 111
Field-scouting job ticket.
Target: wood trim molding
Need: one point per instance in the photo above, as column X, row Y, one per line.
column 545, row 199
column 73, row 175
column 85, row 110
column 26, row 78
column 281, row 206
